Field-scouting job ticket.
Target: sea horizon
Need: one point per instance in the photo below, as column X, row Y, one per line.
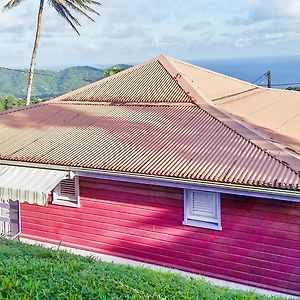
column 284, row 69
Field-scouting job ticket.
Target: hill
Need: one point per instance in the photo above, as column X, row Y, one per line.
column 47, row 83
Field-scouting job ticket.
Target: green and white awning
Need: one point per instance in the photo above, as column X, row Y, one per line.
column 30, row 185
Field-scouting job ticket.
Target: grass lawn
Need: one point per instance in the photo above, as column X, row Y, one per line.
column 28, row 272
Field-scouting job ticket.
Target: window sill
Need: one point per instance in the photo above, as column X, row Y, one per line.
column 65, row 203
column 201, row 224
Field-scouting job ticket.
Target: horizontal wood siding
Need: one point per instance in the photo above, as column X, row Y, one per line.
column 258, row 245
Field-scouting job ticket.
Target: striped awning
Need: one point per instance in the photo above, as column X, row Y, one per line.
column 30, row 185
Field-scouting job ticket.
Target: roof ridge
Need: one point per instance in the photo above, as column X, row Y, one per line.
column 106, row 103
column 200, row 100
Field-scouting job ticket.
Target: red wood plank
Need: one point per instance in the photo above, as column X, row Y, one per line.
column 259, row 243
column 193, row 251
column 234, row 238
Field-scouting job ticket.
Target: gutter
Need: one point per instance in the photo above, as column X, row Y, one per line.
column 236, row 189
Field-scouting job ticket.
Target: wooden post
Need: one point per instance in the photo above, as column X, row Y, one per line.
column 269, row 74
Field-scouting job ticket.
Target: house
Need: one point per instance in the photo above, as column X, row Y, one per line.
column 165, row 163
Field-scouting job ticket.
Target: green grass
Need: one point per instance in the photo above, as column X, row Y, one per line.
column 28, row 272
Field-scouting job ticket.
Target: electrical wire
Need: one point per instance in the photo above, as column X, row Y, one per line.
column 259, row 78
column 282, row 84
column 292, row 83
column 275, row 84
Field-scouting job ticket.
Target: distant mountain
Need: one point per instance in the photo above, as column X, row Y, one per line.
column 47, row 83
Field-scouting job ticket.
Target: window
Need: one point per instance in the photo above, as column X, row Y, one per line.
column 202, row 209
column 67, row 193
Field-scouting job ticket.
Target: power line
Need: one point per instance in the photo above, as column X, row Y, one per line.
column 25, row 71
column 270, row 84
column 259, row 78
column 283, row 84
column 292, row 83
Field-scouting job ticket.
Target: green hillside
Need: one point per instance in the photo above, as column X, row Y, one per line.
column 47, row 83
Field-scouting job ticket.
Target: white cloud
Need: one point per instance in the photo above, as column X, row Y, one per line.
column 10, row 23
column 265, row 10
column 196, row 26
column 130, row 31
column 91, row 46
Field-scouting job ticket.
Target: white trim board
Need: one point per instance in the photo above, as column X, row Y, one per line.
column 187, row 184
column 134, row 263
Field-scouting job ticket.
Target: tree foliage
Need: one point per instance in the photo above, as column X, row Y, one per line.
column 294, row 88
column 48, row 84
column 10, row 102
column 115, row 69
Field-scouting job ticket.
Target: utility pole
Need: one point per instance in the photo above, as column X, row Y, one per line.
column 269, row 75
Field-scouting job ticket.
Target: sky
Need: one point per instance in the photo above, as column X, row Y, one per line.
column 132, row 31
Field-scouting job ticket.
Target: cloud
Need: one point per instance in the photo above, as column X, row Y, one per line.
column 259, row 11
column 124, row 32
column 195, row 26
column 10, row 24
column 134, row 30
column 262, row 10
column 273, row 33
column 185, row 9
column 91, row 46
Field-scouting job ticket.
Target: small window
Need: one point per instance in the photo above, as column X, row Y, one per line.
column 67, row 193
column 202, row 209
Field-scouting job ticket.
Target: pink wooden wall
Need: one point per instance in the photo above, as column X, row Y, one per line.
column 259, row 244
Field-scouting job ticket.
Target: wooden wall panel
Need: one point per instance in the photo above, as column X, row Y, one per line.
column 258, row 245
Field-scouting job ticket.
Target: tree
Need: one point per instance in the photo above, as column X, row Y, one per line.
column 114, row 70
column 65, row 9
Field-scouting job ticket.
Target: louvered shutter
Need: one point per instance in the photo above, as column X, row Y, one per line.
column 67, row 188
column 67, row 193
column 203, row 206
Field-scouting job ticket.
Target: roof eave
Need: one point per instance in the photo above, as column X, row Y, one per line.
column 237, row 189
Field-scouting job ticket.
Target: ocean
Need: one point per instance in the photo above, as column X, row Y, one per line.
column 284, row 69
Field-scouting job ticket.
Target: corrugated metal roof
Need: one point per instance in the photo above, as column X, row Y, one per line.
column 211, row 84
column 167, row 140
column 149, row 82
column 273, row 112
column 151, row 119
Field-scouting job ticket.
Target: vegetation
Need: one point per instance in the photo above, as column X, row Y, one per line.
column 48, row 84
column 28, row 272
column 10, row 102
column 115, row 69
column 64, row 9
column 294, row 88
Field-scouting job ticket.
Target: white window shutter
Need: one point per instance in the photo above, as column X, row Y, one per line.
column 68, row 188
column 204, row 204
column 202, row 209
column 67, row 193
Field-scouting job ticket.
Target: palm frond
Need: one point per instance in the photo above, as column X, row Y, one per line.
column 79, row 10
column 62, row 10
column 81, row 7
column 11, row 4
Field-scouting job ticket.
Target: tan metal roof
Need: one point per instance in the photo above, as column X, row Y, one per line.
column 151, row 119
column 273, row 112
column 211, row 85
column 167, row 140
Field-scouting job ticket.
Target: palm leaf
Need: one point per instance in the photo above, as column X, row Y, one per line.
column 12, row 4
column 64, row 8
